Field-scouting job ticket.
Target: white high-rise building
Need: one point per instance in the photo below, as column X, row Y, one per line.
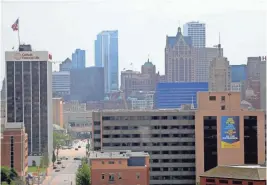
column 29, row 99
column 197, row 32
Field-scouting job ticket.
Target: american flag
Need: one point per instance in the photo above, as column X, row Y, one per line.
column 15, row 26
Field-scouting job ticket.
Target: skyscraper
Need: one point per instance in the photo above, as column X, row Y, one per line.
column 29, row 99
column 220, row 73
column 106, row 55
column 78, row 59
column 87, row 84
column 65, row 65
column 179, row 59
column 197, row 32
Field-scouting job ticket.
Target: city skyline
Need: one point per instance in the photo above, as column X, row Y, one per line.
column 142, row 30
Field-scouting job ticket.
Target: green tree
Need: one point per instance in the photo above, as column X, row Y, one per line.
column 83, row 175
column 8, row 175
column 58, row 141
column 53, row 158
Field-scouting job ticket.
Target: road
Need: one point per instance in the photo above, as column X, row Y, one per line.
column 66, row 176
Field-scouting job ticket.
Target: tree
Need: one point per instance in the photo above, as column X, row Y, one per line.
column 53, row 158
column 58, row 141
column 8, row 175
column 83, row 175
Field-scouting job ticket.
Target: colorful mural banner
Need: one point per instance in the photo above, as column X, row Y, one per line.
column 230, row 134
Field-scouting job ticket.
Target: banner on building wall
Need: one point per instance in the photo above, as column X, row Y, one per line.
column 230, row 136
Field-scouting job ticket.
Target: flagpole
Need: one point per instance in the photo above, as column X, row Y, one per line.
column 18, row 32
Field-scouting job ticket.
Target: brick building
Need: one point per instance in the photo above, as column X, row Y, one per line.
column 14, row 150
column 119, row 167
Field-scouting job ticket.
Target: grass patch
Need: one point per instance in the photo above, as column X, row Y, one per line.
column 35, row 168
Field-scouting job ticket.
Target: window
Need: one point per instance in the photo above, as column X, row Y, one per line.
column 222, row 98
column 119, row 175
column 237, row 182
column 212, row 98
column 137, row 175
column 103, row 176
column 11, row 151
column 250, row 183
column 111, row 177
column 103, row 162
column 111, row 162
column 210, row 180
column 223, row 181
column 223, row 107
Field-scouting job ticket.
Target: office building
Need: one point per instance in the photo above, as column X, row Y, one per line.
column 167, row 135
column 133, row 81
column 239, row 72
column 239, row 75
column 197, row 31
column 252, row 86
column 220, row 73
column 263, row 85
column 61, row 83
column 78, row 59
column 203, row 57
column 106, row 55
column 226, row 133
column 174, row 95
column 179, row 58
column 29, row 99
column 119, row 167
column 145, row 101
column 235, row 174
column 65, row 65
column 87, row 84
column 58, row 112
column 14, row 149
column 74, row 106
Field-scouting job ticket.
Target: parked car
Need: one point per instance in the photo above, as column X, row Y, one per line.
column 57, row 170
column 76, row 148
column 54, row 167
column 79, row 146
column 58, row 162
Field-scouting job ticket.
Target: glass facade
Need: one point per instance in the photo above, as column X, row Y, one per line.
column 78, row 59
column 106, row 55
column 239, row 73
column 174, row 95
column 87, row 84
column 27, row 102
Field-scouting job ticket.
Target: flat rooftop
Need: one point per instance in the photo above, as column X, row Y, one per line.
column 152, row 111
column 124, row 154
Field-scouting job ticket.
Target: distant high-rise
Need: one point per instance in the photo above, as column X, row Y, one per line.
column 87, row 84
column 78, row 59
column 197, row 32
column 179, row 59
column 65, row 65
column 29, row 99
column 239, row 75
column 106, row 55
column 61, row 83
column 220, row 73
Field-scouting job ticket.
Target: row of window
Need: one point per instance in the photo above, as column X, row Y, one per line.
column 176, row 177
column 193, row 169
column 112, row 176
column 147, row 135
column 174, row 161
column 111, row 118
column 12, row 151
column 156, row 127
column 150, row 144
column 225, row 181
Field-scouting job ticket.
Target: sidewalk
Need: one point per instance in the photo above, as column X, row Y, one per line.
column 48, row 177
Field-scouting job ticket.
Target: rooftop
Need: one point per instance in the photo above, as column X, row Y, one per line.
column 148, row 111
column 125, row 154
column 244, row 172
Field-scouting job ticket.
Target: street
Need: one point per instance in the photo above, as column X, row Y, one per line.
column 66, row 176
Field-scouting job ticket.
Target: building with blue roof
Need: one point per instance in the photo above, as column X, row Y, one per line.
column 174, row 95
column 239, row 73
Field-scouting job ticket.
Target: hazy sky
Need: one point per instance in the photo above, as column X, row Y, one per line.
column 62, row 26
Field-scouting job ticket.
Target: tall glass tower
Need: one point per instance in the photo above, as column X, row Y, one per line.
column 106, row 55
column 78, row 59
column 197, row 32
